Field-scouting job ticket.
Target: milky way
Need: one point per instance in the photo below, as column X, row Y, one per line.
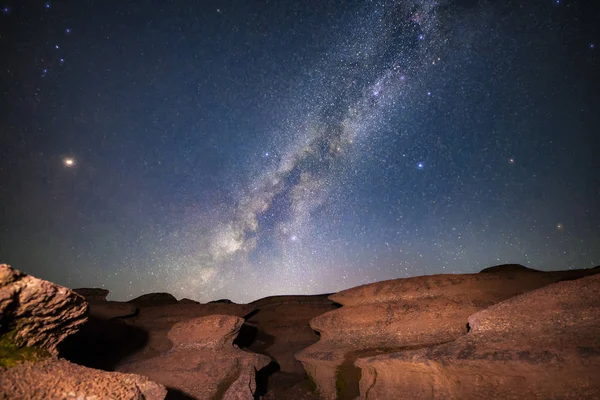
column 391, row 139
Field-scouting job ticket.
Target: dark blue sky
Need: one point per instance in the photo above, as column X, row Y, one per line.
column 241, row 149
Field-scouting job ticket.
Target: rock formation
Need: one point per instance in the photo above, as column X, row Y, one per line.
column 100, row 308
column 37, row 313
column 153, row 299
column 282, row 327
column 59, row 379
column 403, row 314
column 203, row 363
column 544, row 344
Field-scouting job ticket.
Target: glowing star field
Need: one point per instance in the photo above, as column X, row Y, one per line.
column 246, row 149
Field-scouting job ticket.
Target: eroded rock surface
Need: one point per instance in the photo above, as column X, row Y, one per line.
column 202, row 362
column 282, row 327
column 404, row 314
column 38, row 313
column 59, row 379
column 544, row 344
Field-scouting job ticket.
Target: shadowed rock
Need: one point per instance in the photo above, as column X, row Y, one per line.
column 112, row 309
column 157, row 322
column 203, row 363
column 282, row 327
column 153, row 299
column 60, row 379
column 540, row 345
column 92, row 295
column 403, row 314
column 221, row 301
column 188, row 301
column 38, row 313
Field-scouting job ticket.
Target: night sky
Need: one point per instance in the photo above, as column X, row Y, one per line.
column 240, row 149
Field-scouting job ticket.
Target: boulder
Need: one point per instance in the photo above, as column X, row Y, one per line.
column 153, row 299
column 37, row 313
column 402, row 314
column 544, row 344
column 59, row 379
column 92, row 295
column 203, row 363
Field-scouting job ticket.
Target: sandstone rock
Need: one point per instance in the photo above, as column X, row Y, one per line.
column 544, row 344
column 153, row 299
column 203, row 363
column 38, row 313
column 386, row 317
column 60, row 379
column 92, row 295
column 112, row 309
column 282, row 327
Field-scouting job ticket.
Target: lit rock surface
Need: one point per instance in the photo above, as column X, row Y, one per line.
column 203, row 363
column 38, row 313
column 544, row 344
column 59, row 379
column 404, row 314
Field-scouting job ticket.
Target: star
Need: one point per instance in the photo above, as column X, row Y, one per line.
column 420, row 165
column 560, row 226
column 511, row 161
column 69, row 162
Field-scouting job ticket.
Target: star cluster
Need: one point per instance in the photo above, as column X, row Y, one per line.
column 238, row 151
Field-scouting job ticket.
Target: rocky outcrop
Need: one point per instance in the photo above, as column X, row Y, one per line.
column 112, row 309
column 188, row 301
column 93, row 295
column 544, row 344
column 37, row 313
column 282, row 329
column 153, row 299
column 100, row 308
column 203, row 363
column 59, row 379
column 158, row 321
column 403, row 314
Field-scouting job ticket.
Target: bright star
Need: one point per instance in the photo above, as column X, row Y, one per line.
column 420, row 165
column 69, row 162
column 68, row 30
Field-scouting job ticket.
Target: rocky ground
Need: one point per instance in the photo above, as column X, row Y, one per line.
column 507, row 332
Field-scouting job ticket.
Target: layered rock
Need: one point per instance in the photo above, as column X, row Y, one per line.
column 59, row 379
column 403, row 314
column 202, row 362
column 282, row 328
column 37, row 313
column 544, row 344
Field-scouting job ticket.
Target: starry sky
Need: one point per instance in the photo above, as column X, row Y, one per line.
column 241, row 149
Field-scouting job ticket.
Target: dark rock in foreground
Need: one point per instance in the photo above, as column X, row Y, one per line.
column 59, row 379
column 37, row 313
